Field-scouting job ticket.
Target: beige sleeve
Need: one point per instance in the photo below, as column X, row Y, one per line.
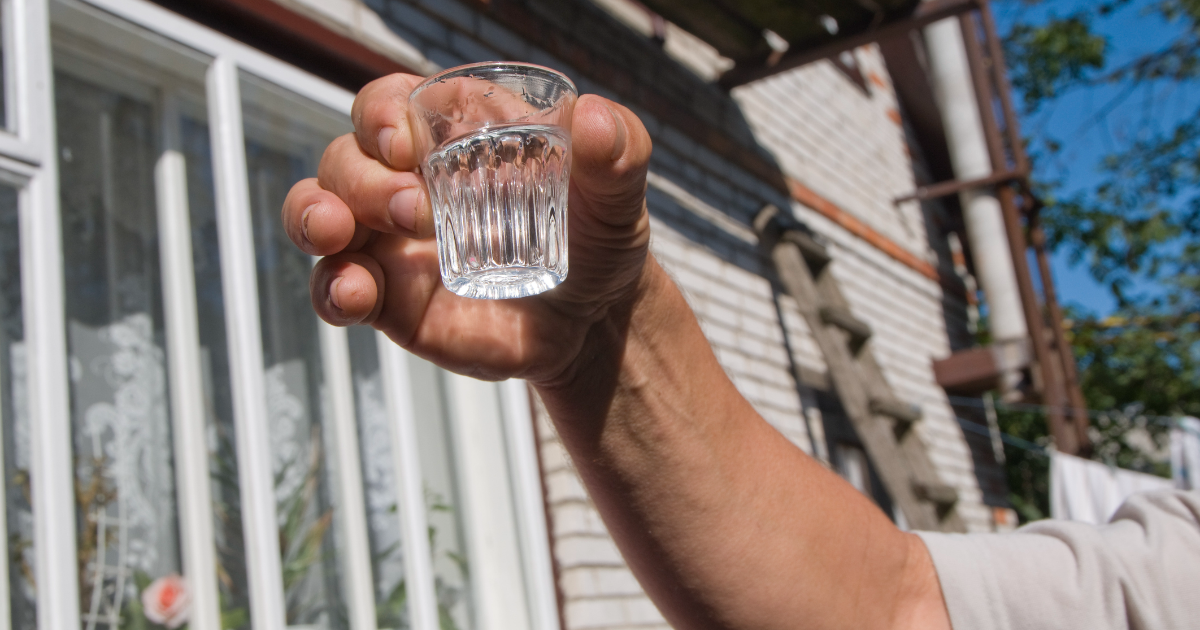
column 1139, row 572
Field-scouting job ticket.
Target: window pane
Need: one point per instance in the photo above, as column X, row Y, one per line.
column 5, row 8
column 214, row 354
column 15, row 415
column 127, row 530
column 285, row 136
column 451, row 564
column 379, row 481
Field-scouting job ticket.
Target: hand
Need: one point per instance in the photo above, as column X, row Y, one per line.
column 723, row 520
column 368, row 213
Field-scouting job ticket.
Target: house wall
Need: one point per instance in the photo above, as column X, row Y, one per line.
column 844, row 143
column 847, row 143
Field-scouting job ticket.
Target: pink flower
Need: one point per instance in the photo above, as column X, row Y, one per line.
column 167, row 601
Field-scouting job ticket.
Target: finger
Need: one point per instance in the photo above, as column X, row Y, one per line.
column 345, row 289
column 380, row 115
column 610, row 150
column 413, row 276
column 487, row 339
column 316, row 220
column 380, row 198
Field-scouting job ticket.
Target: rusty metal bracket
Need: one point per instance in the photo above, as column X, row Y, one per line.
column 945, row 189
column 926, row 13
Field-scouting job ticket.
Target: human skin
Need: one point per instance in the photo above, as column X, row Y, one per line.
column 724, row 522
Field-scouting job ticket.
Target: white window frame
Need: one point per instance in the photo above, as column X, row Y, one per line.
column 27, row 159
column 27, row 156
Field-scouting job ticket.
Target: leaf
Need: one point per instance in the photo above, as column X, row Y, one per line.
column 141, row 580
column 135, row 616
column 1050, row 57
column 459, row 560
column 234, row 619
column 390, row 612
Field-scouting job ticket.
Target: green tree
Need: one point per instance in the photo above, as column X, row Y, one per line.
column 1137, row 229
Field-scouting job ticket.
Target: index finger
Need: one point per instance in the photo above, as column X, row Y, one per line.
column 380, row 116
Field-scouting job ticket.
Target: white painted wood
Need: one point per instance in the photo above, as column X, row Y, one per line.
column 410, row 491
column 16, row 91
column 5, row 593
column 17, row 173
column 355, row 552
column 530, row 504
column 240, row 284
column 192, row 482
column 15, row 148
column 26, row 50
column 91, row 32
column 51, row 471
column 208, row 41
column 487, row 504
column 6, row 44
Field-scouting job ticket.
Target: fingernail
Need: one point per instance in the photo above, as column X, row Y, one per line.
column 403, row 207
column 619, row 143
column 385, row 143
column 333, row 291
column 304, row 222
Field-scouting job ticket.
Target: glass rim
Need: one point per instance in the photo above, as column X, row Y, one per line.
column 466, row 70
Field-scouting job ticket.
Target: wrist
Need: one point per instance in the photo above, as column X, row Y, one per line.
column 589, row 379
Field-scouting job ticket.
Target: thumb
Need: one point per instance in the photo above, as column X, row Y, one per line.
column 610, row 152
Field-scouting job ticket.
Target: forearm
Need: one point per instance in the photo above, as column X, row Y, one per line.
column 725, row 522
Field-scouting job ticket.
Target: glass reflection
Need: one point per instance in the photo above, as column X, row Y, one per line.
column 379, row 481
column 127, row 532
column 214, row 354
column 451, row 564
column 4, row 58
column 18, row 510
column 285, row 136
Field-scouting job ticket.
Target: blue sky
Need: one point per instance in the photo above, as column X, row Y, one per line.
column 1076, row 119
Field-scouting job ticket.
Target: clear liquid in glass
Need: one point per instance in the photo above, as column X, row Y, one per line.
column 500, row 210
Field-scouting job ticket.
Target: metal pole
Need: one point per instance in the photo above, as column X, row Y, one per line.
column 1070, row 374
column 1037, row 236
column 972, row 161
column 1078, row 412
column 1000, row 74
column 1065, row 437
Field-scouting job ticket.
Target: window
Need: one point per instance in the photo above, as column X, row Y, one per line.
column 852, row 466
column 18, row 537
column 193, row 416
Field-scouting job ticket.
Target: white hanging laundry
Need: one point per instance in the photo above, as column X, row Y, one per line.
column 1185, row 453
column 1090, row 492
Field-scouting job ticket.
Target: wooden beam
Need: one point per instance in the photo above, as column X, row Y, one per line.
column 814, row 253
column 896, row 410
column 942, row 495
column 926, row 13
column 902, row 465
column 973, row 371
column 858, row 330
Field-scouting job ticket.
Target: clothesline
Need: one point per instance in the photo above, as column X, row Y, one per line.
column 1012, row 440
column 980, row 428
column 1170, row 421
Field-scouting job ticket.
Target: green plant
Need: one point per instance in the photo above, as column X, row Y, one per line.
column 1027, row 470
column 1135, row 225
column 302, row 535
column 391, row 611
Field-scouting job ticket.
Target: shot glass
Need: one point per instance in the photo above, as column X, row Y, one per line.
column 494, row 140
